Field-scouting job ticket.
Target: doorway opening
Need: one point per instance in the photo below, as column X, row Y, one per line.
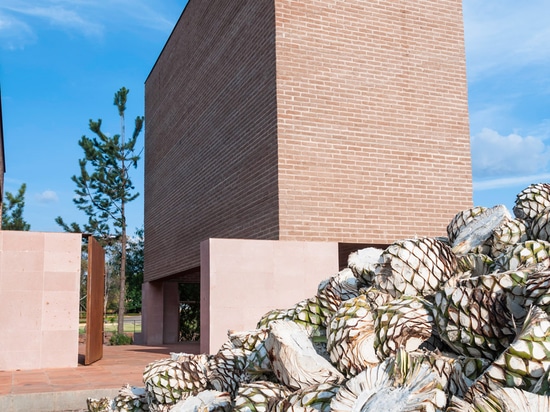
column 189, row 312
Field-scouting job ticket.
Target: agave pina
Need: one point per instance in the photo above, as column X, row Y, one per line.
column 226, row 370
column 205, row 401
column 502, row 400
column 350, row 336
column 477, row 234
column 531, row 201
column 525, row 360
column 406, row 323
column 168, row 380
column 131, row 399
column 414, row 267
column 405, row 383
column 293, row 358
column 256, row 396
column 524, row 254
column 473, row 321
column 317, row 398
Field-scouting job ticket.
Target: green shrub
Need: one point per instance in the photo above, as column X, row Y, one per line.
column 120, row 339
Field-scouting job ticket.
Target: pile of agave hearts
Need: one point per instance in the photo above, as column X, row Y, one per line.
column 457, row 323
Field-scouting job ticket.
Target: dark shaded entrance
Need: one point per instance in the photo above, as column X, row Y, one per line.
column 172, row 302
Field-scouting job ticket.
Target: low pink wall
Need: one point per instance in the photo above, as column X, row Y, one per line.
column 241, row 280
column 39, row 299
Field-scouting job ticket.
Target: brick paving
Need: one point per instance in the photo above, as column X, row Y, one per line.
column 120, row 365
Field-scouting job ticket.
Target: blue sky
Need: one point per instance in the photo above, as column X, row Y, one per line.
column 61, row 61
column 508, row 60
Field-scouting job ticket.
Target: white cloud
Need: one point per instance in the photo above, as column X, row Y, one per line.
column 89, row 18
column 14, row 33
column 64, row 18
column 47, row 196
column 488, row 114
column 148, row 14
column 494, row 154
column 29, row 14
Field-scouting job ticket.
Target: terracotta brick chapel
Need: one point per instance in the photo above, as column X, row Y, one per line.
column 282, row 134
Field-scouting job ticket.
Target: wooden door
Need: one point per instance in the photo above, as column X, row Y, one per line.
column 94, row 302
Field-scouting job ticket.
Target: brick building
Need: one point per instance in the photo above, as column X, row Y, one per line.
column 315, row 121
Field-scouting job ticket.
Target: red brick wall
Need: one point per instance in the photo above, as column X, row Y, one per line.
column 372, row 119
column 305, row 120
column 211, row 148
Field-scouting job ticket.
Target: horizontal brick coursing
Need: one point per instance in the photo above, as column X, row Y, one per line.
column 211, row 148
column 372, row 119
column 314, row 120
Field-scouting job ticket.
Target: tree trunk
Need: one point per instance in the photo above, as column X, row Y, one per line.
column 122, row 295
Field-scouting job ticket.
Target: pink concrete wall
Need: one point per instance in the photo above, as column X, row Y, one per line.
column 241, row 280
column 39, row 298
column 152, row 317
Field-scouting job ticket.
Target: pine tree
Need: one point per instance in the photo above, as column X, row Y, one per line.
column 104, row 192
column 12, row 210
column 134, row 269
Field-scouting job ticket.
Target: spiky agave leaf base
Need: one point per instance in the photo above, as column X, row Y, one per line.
column 503, row 400
column 401, row 383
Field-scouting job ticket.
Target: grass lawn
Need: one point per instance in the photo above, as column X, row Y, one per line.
column 110, row 325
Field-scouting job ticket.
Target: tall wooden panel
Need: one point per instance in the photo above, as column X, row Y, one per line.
column 94, row 305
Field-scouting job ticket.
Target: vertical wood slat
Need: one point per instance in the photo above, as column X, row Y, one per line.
column 95, row 299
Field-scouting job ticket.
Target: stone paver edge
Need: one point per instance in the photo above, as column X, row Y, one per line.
column 53, row 401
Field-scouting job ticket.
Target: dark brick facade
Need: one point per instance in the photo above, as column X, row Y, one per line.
column 211, row 133
column 323, row 120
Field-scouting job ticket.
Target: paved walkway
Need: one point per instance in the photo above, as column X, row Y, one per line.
column 66, row 389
